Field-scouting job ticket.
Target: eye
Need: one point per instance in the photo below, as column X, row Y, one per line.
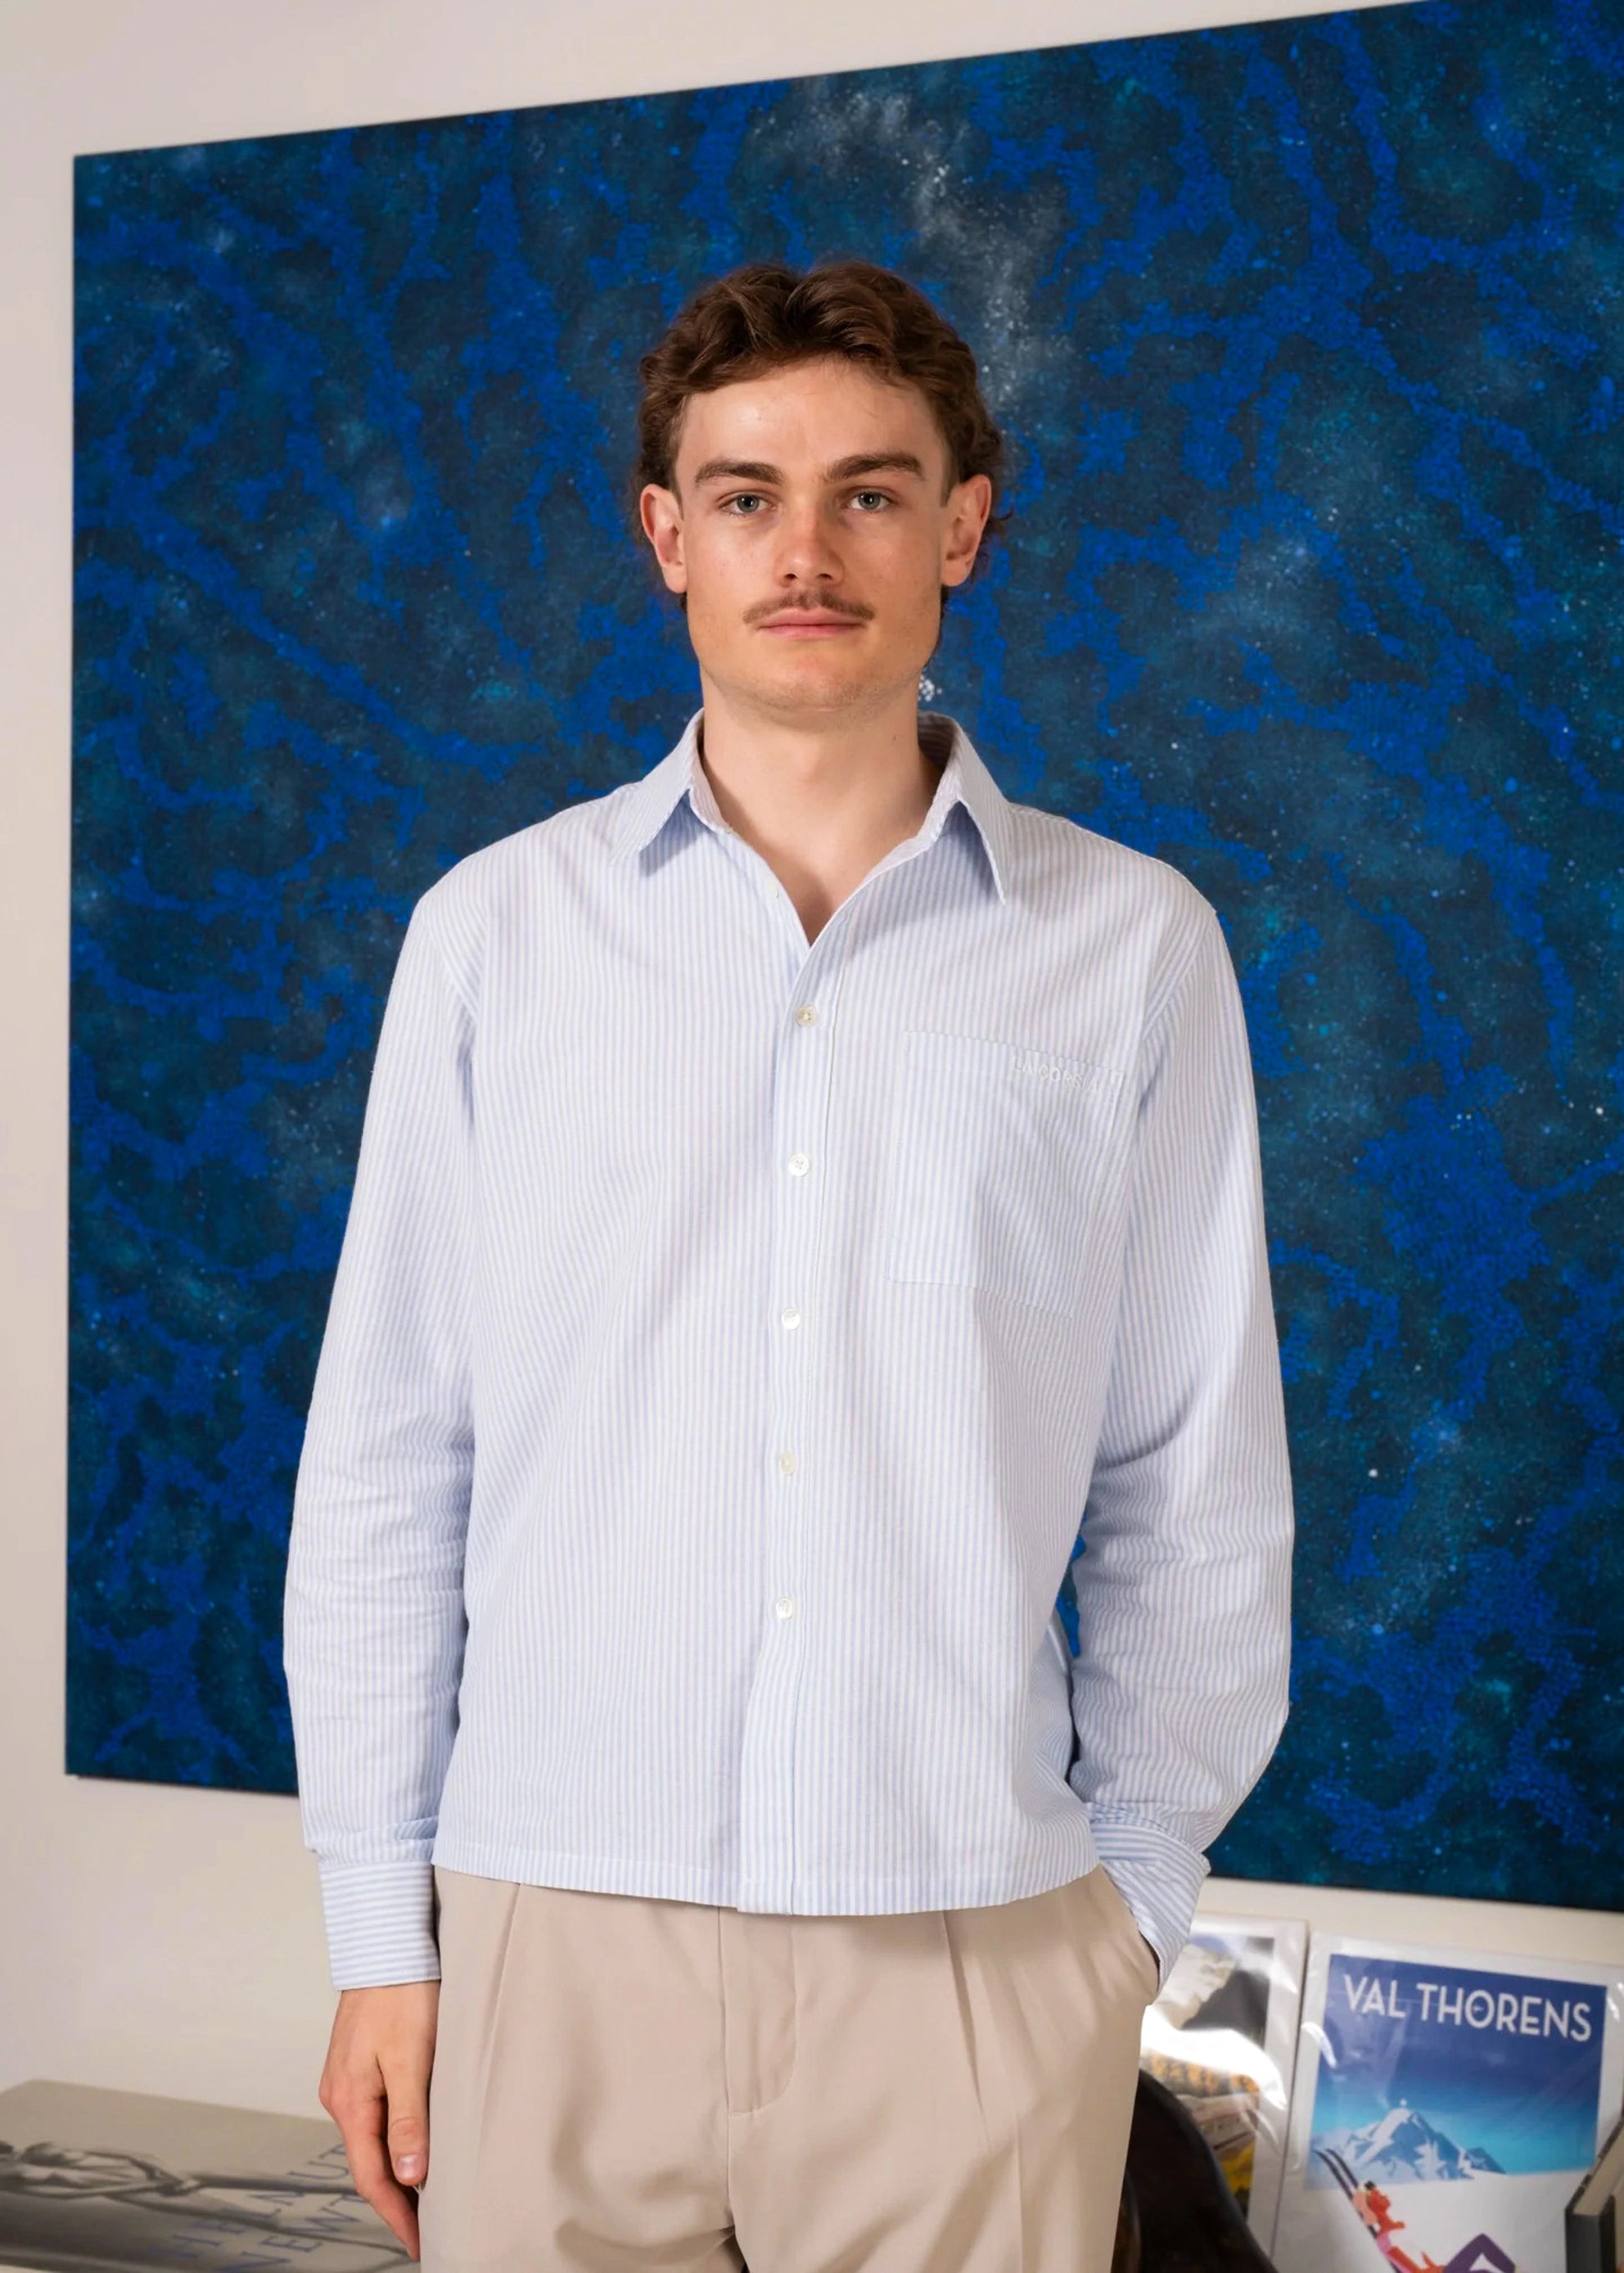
column 743, row 506
column 869, row 500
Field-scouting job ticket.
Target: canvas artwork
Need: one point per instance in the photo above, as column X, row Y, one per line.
column 1305, row 338
column 1447, row 2107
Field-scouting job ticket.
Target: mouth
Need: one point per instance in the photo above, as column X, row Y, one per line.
column 809, row 623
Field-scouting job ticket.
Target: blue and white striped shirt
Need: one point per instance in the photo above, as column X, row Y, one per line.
column 732, row 1335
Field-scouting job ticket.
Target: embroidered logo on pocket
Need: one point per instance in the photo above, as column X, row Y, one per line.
column 1064, row 1073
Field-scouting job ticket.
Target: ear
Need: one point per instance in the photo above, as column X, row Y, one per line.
column 968, row 503
column 660, row 511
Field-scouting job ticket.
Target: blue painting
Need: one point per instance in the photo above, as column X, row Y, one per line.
column 1306, row 338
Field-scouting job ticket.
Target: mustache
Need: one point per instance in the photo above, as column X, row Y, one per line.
column 830, row 605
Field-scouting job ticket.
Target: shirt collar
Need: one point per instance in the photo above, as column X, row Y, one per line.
column 646, row 806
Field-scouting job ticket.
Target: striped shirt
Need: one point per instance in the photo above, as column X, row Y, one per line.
column 732, row 1341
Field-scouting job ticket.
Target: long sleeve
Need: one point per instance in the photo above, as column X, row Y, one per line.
column 373, row 1614
column 1184, row 1589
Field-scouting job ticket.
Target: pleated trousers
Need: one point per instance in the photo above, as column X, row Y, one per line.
column 622, row 2082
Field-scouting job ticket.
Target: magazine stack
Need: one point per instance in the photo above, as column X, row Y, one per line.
column 115, row 2181
column 1222, row 2038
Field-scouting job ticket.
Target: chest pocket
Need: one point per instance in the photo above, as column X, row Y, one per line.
column 997, row 1156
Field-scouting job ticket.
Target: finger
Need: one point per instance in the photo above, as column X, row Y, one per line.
column 408, row 2134
column 375, row 2181
column 404, row 2067
column 361, row 2115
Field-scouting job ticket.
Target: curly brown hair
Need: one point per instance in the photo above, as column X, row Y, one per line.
column 765, row 316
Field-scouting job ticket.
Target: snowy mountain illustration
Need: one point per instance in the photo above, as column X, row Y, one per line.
column 1403, row 2146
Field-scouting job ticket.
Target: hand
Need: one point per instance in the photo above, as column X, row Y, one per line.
column 375, row 2086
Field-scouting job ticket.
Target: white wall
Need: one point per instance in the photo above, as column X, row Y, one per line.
column 164, row 1939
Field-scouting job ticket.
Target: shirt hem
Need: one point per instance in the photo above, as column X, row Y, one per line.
column 808, row 1896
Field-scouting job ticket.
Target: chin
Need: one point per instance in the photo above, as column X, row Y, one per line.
column 822, row 699
column 832, row 684
column 813, row 687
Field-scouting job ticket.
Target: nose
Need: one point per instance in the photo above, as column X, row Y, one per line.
column 807, row 552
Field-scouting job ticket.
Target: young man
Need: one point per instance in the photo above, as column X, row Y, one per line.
column 798, row 1189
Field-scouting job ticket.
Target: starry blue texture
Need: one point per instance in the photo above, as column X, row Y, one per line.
column 1307, row 338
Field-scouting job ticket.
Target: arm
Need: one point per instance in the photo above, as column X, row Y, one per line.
column 1178, row 1690
column 373, row 1619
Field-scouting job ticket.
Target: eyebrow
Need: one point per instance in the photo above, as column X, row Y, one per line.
column 843, row 470
column 883, row 461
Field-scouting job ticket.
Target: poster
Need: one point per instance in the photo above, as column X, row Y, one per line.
column 1447, row 2107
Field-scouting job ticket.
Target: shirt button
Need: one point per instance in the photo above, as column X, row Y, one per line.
column 784, row 1606
column 787, row 1461
column 805, row 1015
column 798, row 1163
column 790, row 1320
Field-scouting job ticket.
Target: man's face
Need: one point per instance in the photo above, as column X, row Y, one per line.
column 812, row 525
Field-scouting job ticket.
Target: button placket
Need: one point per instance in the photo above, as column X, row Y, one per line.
column 800, row 1100
column 801, row 1072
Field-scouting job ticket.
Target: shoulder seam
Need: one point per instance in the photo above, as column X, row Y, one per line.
column 1207, row 921
column 431, row 920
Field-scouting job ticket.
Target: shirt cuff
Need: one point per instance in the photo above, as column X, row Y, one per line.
column 380, row 1923
column 1158, row 1875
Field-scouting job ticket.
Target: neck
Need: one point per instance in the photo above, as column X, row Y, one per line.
column 823, row 799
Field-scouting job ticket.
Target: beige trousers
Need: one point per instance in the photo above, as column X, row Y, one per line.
column 623, row 2082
